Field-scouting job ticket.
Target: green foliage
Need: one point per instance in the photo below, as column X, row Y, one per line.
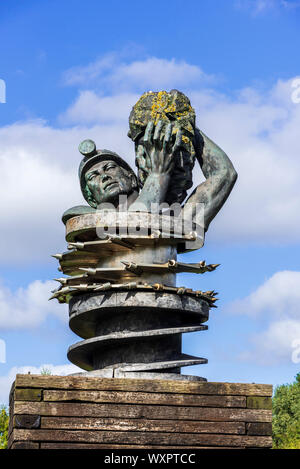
column 286, row 416
column 4, row 419
column 46, row 371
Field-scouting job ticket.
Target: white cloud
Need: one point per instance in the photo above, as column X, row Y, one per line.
column 151, row 73
column 261, row 6
column 29, row 307
column 91, row 108
column 7, row 381
column 275, row 306
column 275, row 344
column 88, row 73
column 158, row 73
column 278, row 296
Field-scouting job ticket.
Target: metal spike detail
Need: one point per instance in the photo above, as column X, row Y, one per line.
column 114, row 289
column 57, row 256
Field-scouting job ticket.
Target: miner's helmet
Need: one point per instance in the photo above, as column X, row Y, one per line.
column 92, row 156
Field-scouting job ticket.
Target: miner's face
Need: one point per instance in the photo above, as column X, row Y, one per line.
column 107, row 180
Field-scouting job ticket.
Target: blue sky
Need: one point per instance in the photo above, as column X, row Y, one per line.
column 73, row 70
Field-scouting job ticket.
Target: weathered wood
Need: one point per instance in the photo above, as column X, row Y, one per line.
column 10, row 440
column 75, row 412
column 143, row 425
column 145, row 385
column 105, row 446
column 143, row 411
column 11, row 413
column 145, row 398
column 11, row 409
column 255, row 402
column 140, row 438
column 28, row 394
column 25, row 445
column 258, row 429
column 11, row 395
column 27, row 421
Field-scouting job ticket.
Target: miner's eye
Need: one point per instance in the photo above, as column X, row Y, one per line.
column 91, row 176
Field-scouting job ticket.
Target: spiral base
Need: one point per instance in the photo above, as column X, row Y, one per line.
column 122, row 293
column 130, row 333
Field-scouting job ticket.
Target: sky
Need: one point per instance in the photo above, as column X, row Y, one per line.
column 73, row 70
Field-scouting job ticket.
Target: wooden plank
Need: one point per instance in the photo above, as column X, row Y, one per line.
column 25, row 445
column 11, row 408
column 11, row 394
column 160, row 386
column 255, row 402
column 143, row 425
column 11, row 414
column 140, row 438
column 143, row 411
column 26, row 421
column 105, row 446
column 255, row 428
column 28, row 394
column 10, row 440
column 145, row 398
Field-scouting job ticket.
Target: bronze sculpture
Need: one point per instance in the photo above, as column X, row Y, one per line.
column 123, row 247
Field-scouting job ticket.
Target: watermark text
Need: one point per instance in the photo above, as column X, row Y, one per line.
column 295, row 96
column 2, row 91
column 2, row 351
column 162, row 220
column 296, row 351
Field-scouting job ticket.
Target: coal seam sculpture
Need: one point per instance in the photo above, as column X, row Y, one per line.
column 121, row 262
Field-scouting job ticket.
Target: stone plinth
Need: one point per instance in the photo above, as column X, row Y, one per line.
column 75, row 412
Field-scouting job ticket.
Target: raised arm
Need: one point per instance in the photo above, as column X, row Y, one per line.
column 220, row 178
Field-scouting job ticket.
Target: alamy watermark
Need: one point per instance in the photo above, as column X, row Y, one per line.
column 162, row 220
column 296, row 351
column 295, row 96
column 2, row 91
column 2, row 351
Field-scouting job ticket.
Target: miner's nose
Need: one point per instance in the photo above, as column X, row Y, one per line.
column 105, row 177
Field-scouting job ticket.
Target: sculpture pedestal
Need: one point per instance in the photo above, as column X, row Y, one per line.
column 122, row 294
column 117, row 413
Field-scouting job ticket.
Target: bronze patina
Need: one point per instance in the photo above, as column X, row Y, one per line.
column 121, row 262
